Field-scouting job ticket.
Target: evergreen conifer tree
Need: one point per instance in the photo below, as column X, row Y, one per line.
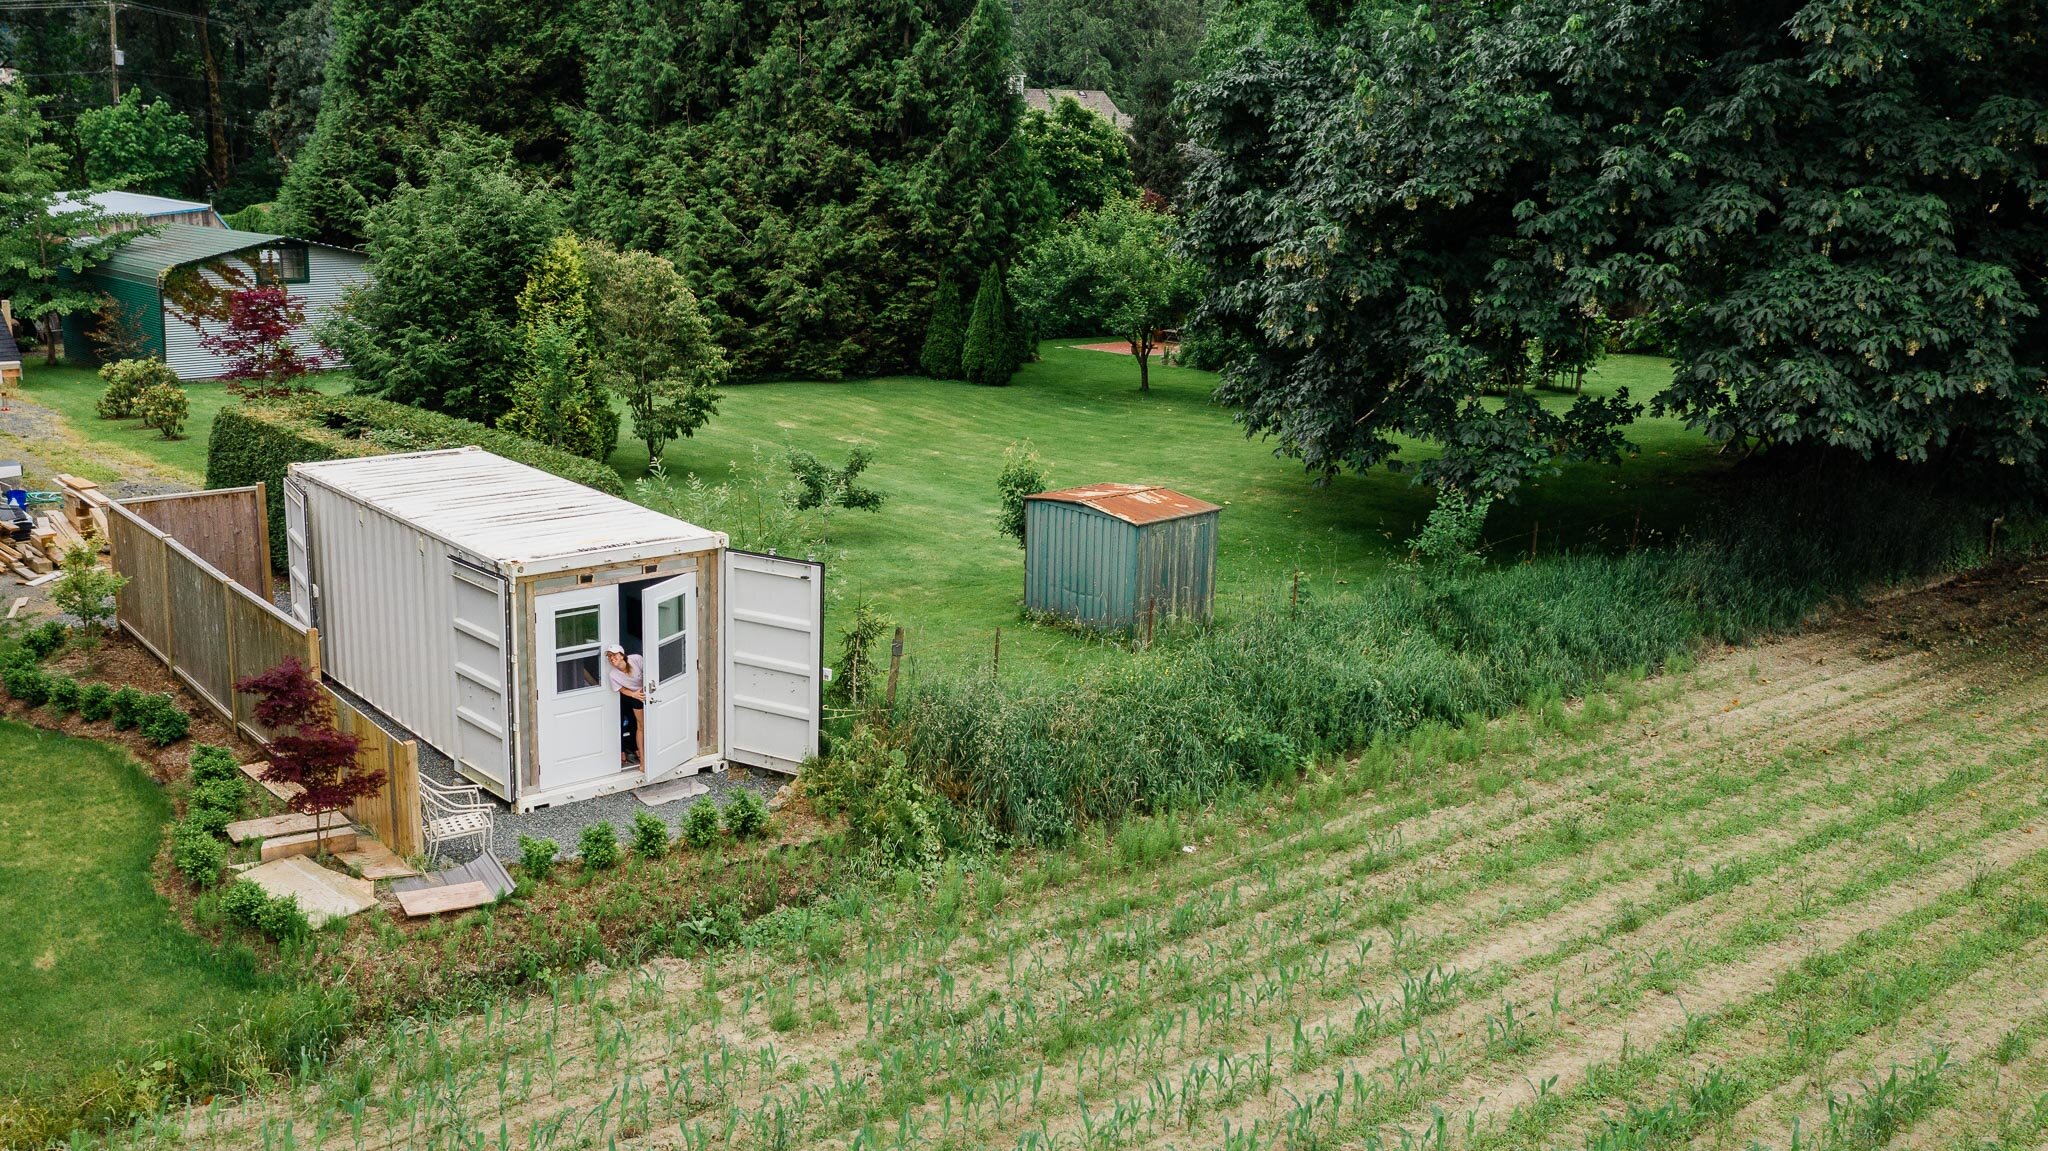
column 944, row 335
column 556, row 398
column 987, row 356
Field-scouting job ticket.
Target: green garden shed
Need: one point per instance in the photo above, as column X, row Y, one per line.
column 167, row 287
column 1110, row 555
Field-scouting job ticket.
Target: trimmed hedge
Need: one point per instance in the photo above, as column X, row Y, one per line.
column 255, row 443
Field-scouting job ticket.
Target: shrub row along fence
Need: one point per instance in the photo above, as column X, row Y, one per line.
column 212, row 630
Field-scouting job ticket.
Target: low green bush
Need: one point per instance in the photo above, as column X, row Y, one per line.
column 223, row 795
column 890, row 811
column 243, row 902
column 700, row 826
column 164, row 408
column 282, row 919
column 253, row 443
column 198, row 852
column 650, row 835
column 745, row 814
column 96, row 702
column 208, row 763
column 161, row 721
column 537, row 856
column 125, row 707
column 64, row 694
column 126, row 381
column 599, row 846
column 28, row 683
column 44, row 639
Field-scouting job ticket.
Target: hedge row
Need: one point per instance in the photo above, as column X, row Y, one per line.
column 254, row 443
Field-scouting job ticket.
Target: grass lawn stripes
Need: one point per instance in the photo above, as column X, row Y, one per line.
column 1556, row 926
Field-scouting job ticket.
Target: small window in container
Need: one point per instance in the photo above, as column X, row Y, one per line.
column 578, row 661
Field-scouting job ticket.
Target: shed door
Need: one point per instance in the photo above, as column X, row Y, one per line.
column 297, row 568
column 483, row 689
column 669, row 671
column 774, row 633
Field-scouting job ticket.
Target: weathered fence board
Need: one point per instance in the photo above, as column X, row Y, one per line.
column 213, row 631
column 225, row 527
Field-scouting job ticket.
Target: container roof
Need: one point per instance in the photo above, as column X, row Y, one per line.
column 518, row 517
column 1131, row 503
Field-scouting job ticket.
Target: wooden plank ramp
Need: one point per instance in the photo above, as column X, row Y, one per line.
column 283, row 791
column 372, row 860
column 436, row 900
column 290, row 823
column 332, row 841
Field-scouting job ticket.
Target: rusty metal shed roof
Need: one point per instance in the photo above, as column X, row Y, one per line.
column 1131, row 503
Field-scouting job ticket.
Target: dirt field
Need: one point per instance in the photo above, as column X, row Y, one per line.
column 1798, row 888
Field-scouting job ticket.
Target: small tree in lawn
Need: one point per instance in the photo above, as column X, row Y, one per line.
column 307, row 748
column 943, row 335
column 651, row 345
column 988, row 354
column 86, row 592
column 263, row 360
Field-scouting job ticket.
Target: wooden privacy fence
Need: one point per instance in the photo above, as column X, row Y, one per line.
column 212, row 630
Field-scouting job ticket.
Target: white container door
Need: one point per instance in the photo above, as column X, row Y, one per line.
column 298, row 571
column 483, row 690
column 774, row 629
column 668, row 631
column 579, row 712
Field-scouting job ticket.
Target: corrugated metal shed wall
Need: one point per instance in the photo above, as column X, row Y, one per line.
column 330, row 272
column 1080, row 564
column 386, row 618
column 1101, row 571
column 139, row 302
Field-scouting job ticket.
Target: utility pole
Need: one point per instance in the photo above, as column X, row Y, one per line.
column 114, row 49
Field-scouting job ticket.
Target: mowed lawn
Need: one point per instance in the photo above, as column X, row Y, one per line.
column 92, row 959
column 73, row 392
column 931, row 558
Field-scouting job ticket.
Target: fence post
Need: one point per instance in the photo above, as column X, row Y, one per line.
column 895, row 664
column 995, row 667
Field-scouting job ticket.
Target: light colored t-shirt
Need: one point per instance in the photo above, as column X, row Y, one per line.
column 631, row 679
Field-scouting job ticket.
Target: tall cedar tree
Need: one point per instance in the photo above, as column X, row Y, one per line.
column 811, row 166
column 264, row 360
column 437, row 326
column 1834, row 209
column 557, row 398
column 403, row 75
column 306, row 748
column 1083, row 157
column 988, row 355
column 944, row 333
column 41, row 250
column 653, row 348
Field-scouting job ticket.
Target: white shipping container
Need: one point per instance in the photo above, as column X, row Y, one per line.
column 472, row 599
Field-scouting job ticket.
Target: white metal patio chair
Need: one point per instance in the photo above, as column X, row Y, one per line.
column 455, row 812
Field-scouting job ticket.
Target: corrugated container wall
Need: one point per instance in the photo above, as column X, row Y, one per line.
column 330, row 273
column 386, row 614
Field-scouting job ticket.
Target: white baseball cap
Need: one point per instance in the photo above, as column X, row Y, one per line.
column 612, row 647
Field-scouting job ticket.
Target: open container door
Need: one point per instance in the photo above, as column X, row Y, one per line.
column 774, row 619
column 483, row 681
column 297, row 568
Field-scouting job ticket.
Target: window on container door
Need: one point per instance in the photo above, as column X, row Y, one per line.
column 672, row 639
column 578, row 660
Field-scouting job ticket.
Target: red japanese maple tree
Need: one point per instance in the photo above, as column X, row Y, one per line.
column 307, row 748
column 256, row 340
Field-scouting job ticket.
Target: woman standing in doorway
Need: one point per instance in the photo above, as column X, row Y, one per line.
column 625, row 677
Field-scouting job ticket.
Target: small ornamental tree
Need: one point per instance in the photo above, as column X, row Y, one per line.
column 86, row 592
column 988, row 356
column 307, row 748
column 263, row 360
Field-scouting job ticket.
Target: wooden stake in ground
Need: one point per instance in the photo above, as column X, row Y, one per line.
column 895, row 665
column 995, row 666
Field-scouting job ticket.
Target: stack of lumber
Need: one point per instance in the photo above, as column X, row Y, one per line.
column 81, row 522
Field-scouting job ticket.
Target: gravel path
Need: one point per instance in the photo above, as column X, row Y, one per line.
column 565, row 823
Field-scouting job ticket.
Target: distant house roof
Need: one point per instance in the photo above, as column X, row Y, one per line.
column 1131, row 503
column 1093, row 99
column 147, row 257
column 139, row 204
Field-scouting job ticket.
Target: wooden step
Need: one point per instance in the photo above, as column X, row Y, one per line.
column 284, row 791
column 372, row 860
column 309, row 843
column 435, row 900
column 290, row 823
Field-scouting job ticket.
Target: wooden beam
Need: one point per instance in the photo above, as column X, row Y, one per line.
column 435, row 900
column 310, row 843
